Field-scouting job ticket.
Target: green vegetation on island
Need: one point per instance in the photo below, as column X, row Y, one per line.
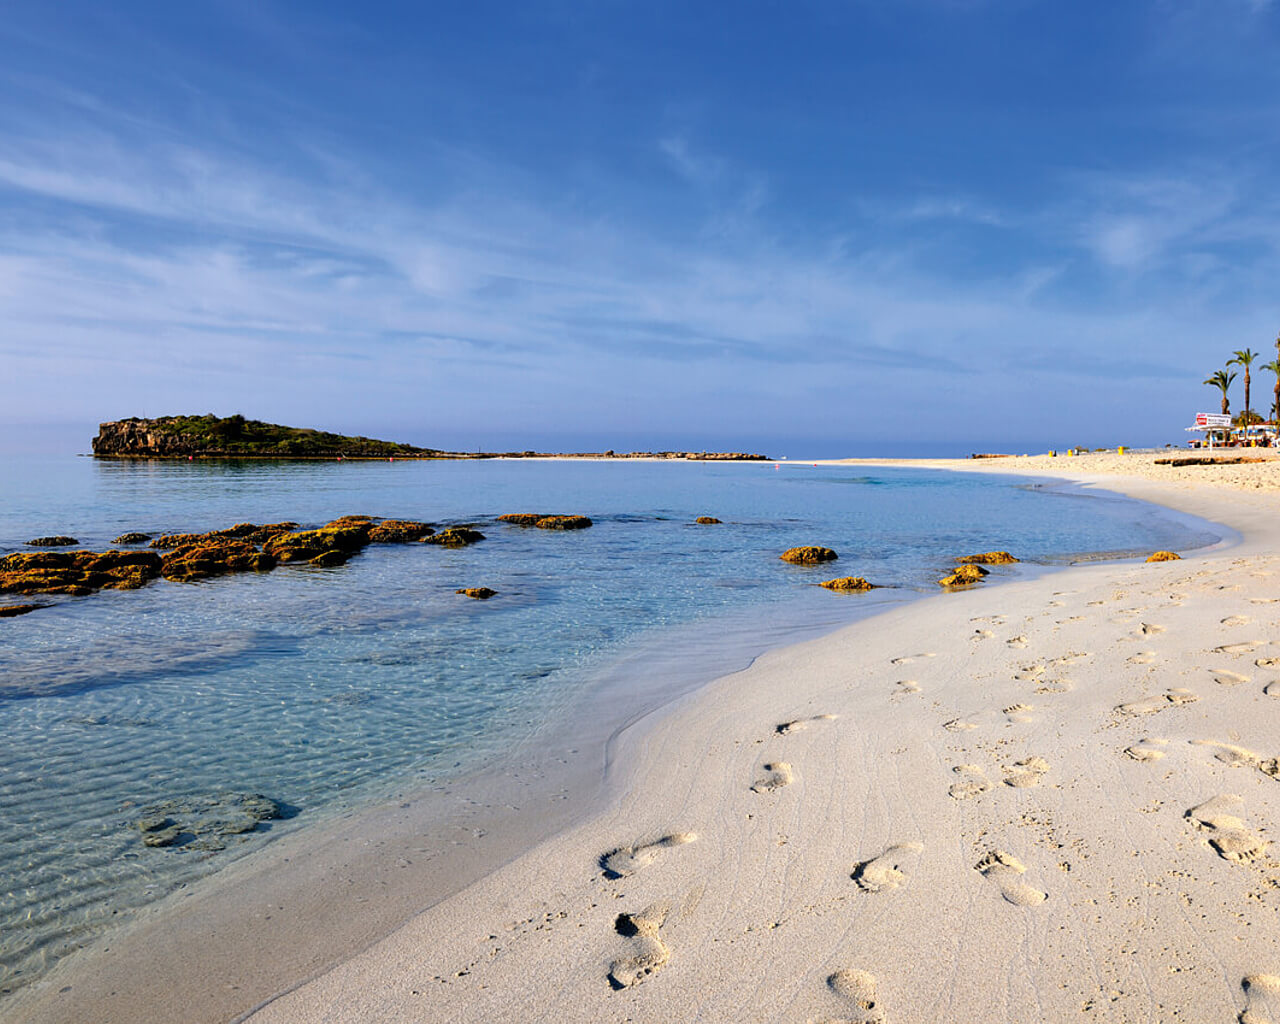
column 235, row 436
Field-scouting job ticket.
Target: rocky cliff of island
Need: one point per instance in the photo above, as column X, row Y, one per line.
column 234, row 436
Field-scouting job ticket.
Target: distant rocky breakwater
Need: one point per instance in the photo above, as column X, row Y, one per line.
column 233, row 437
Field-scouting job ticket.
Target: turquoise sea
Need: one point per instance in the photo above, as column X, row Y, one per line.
column 327, row 689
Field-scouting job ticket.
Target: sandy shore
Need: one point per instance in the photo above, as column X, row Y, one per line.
column 1049, row 800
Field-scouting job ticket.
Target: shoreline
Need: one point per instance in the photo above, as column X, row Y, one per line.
column 611, row 794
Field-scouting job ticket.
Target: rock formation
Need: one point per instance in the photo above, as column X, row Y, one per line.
column 988, row 558
column 848, row 583
column 808, row 555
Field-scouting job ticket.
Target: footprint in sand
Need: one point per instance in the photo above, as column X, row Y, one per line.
column 907, row 659
column 1229, row 753
column 1017, row 641
column 627, row 860
column 1261, row 999
column 1263, row 600
column 1147, row 749
column 890, row 870
column 1030, row 673
column 856, row 991
column 1224, row 678
column 1141, row 658
column 1236, row 620
column 1223, row 818
column 650, row 951
column 776, row 775
column 1149, row 629
column 1026, row 772
column 907, row 686
column 786, row 728
column 1055, row 686
column 1272, row 689
column 981, row 634
column 973, row 782
column 1006, row 871
column 960, row 725
column 1161, row 701
column 1246, row 647
column 1020, row 713
column 1267, row 662
column 1236, row 756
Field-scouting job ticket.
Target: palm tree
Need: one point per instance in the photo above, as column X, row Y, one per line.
column 1244, row 357
column 1222, row 379
column 1274, row 367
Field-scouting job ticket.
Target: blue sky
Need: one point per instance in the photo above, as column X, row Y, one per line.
column 804, row 228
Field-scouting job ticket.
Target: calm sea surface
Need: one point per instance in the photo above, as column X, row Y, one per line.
column 328, row 688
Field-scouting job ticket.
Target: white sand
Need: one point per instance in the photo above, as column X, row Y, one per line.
column 1050, row 800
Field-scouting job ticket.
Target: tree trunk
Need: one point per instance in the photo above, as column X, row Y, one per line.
column 1246, row 398
column 1226, row 403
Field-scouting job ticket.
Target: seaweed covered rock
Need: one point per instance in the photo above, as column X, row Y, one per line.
column 77, row 572
column 1165, row 556
column 132, row 538
column 399, row 531
column 304, row 545
column 9, row 611
column 331, row 558
column 563, row 523
column 710, row 521
column 202, row 560
column 479, row 593
column 249, row 532
column 520, row 518
column 455, row 537
column 848, row 583
column 52, row 542
column 342, row 521
column 810, row 555
column 544, row 521
column 964, row 576
column 987, row 558
column 205, row 823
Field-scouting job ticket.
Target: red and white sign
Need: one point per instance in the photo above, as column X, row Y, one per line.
column 1212, row 419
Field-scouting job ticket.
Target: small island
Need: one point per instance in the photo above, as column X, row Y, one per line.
column 234, row 437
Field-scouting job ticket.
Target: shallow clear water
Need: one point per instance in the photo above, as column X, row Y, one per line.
column 325, row 688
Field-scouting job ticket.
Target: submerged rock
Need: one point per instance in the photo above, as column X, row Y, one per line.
column 205, row 823
column 708, row 521
column 1165, row 556
column 988, row 558
column 132, row 538
column 808, row 555
column 848, row 583
column 479, row 593
column 521, row 518
column 9, row 611
column 455, row 537
column 52, row 542
column 328, row 559
column 399, row 531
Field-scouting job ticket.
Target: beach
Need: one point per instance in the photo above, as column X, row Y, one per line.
column 1047, row 799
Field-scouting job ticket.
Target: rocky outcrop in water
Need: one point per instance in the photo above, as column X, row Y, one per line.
column 707, row 521
column 987, row 558
column 1165, row 556
column 848, row 584
column 479, row 593
column 132, row 538
column 964, row 576
column 77, row 573
column 200, row 561
column 455, row 537
column 545, row 521
column 10, row 611
column 399, row 531
column 810, row 555
column 52, row 542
